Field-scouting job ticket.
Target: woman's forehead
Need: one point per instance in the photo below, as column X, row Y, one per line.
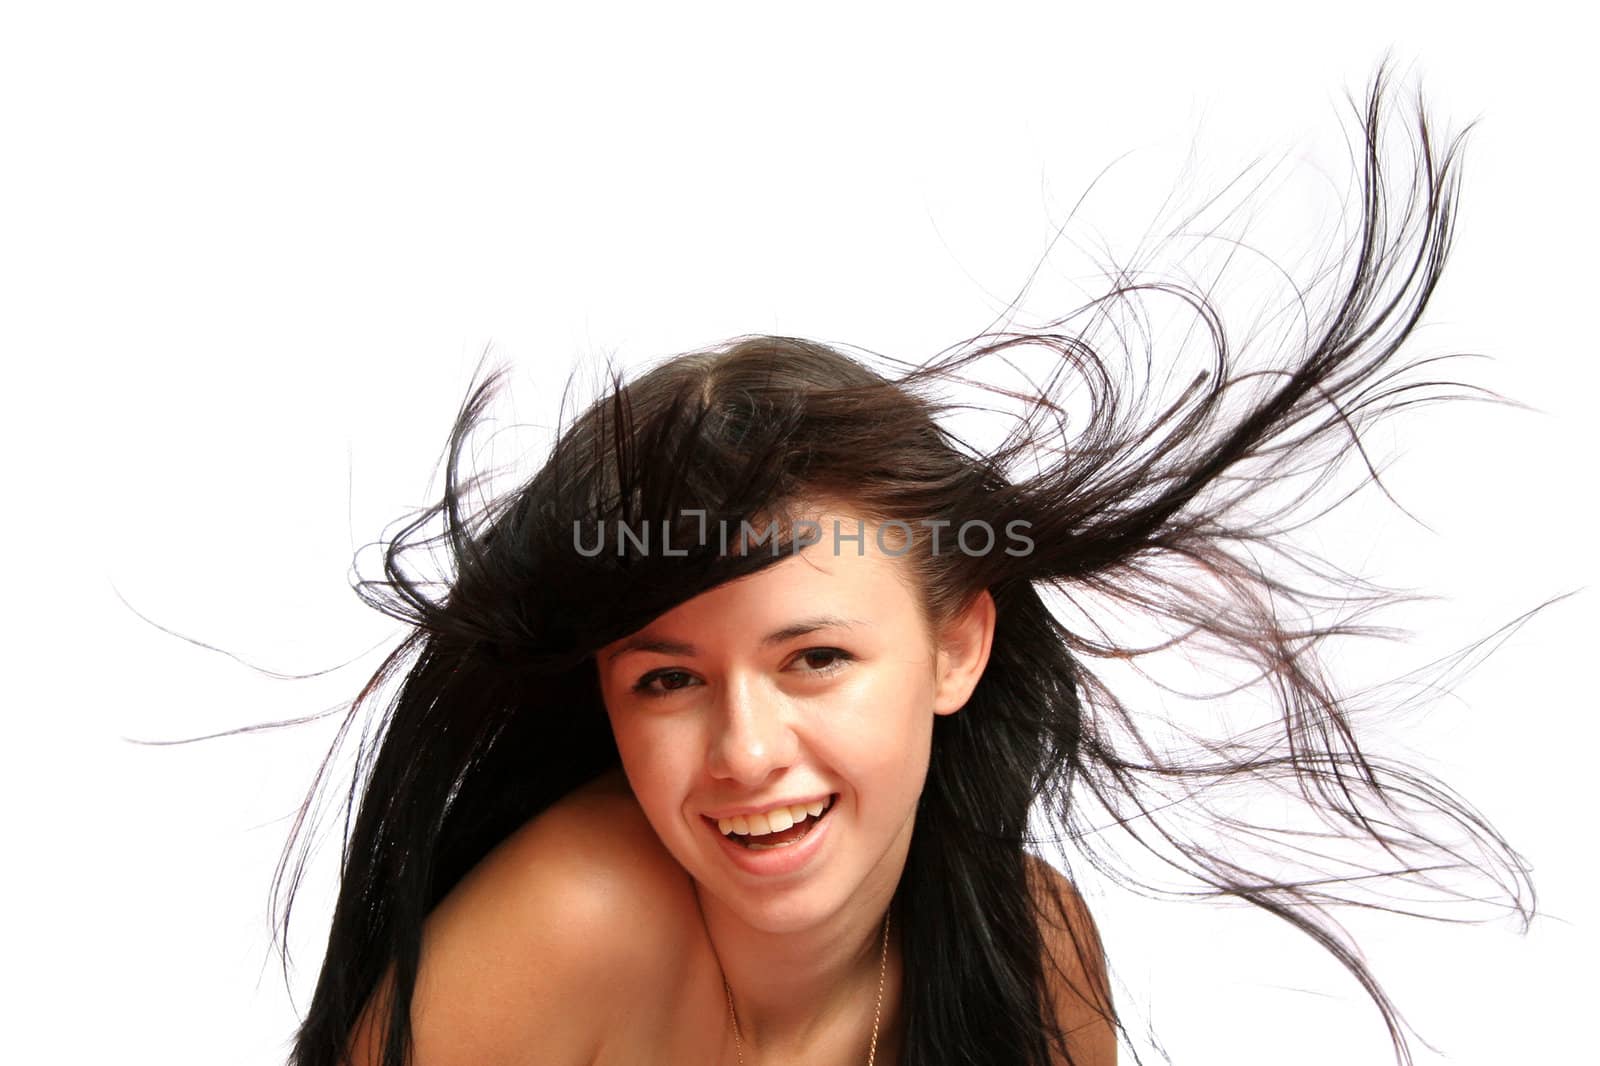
column 841, row 576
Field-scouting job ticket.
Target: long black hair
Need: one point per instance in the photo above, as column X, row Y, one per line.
column 1175, row 504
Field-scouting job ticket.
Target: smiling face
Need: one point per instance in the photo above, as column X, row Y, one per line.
column 816, row 678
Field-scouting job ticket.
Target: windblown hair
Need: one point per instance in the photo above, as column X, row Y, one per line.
column 1168, row 508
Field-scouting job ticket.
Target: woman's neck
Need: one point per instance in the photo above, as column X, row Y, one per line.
column 812, row 996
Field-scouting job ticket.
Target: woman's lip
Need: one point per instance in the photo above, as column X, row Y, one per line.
column 775, row 862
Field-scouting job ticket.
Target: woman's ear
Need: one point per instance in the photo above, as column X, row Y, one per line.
column 961, row 652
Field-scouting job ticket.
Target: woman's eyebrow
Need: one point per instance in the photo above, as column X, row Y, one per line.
column 788, row 632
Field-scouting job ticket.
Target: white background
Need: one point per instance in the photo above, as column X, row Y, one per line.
column 249, row 258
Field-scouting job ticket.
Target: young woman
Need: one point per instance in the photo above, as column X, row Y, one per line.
column 727, row 739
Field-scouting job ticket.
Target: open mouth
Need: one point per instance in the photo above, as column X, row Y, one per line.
column 759, row 834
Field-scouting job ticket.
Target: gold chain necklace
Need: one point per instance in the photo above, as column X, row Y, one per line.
column 877, row 1014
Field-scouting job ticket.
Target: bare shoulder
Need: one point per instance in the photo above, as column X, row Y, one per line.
column 594, row 860
column 568, row 921
column 610, row 865
column 1075, row 966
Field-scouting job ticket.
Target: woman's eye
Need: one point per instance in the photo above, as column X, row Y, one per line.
column 831, row 659
column 672, row 681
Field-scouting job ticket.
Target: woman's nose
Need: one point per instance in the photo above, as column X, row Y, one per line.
column 752, row 735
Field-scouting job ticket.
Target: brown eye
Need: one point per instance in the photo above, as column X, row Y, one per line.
column 672, row 681
column 831, row 659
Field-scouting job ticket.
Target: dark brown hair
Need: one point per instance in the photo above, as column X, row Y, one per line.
column 1176, row 504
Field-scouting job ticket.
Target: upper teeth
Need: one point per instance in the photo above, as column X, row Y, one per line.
column 774, row 821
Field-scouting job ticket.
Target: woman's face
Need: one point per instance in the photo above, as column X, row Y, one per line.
column 815, row 679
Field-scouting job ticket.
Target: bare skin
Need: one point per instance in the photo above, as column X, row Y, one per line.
column 693, row 1026
column 644, row 990
column 602, row 932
